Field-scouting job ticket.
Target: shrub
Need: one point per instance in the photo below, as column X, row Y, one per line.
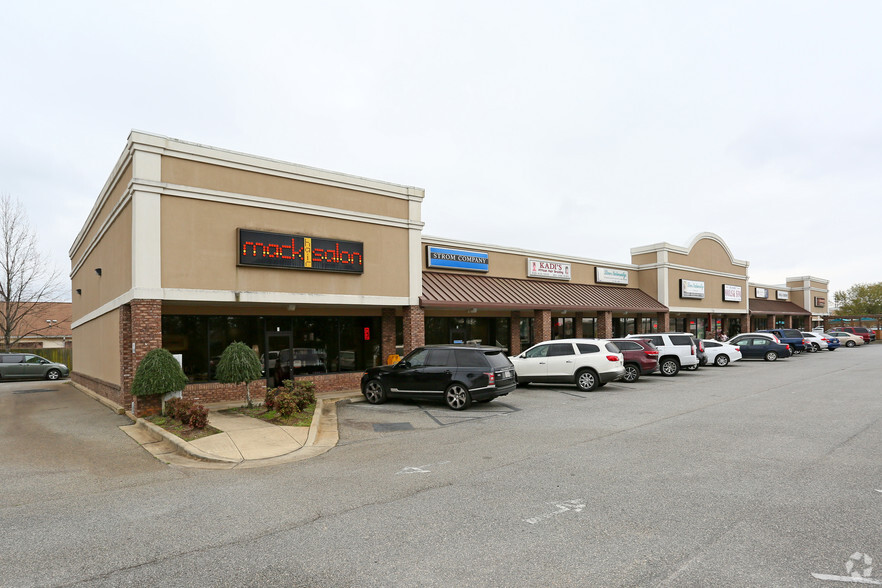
column 270, row 400
column 239, row 364
column 158, row 373
column 177, row 408
column 197, row 416
column 293, row 397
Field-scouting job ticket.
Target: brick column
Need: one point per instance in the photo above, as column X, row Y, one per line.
column 770, row 321
column 514, row 334
column 745, row 323
column 387, row 330
column 664, row 322
column 788, row 322
column 414, row 328
column 604, row 324
column 541, row 326
column 140, row 332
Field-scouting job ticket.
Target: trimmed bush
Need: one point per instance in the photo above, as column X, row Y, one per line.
column 177, row 408
column 197, row 416
column 293, row 397
column 158, row 373
column 239, row 364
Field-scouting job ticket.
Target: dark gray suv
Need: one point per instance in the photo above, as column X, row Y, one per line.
column 19, row 366
column 459, row 374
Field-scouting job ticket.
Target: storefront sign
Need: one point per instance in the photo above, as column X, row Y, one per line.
column 458, row 259
column 691, row 289
column 259, row 248
column 762, row 293
column 820, row 302
column 536, row 268
column 605, row 275
column 782, row 295
column 731, row 293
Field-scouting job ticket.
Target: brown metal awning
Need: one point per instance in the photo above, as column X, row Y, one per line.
column 442, row 290
column 776, row 307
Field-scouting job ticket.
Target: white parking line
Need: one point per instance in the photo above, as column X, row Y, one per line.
column 577, row 505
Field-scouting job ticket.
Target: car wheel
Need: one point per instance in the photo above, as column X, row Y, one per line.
column 374, row 392
column 849, row 343
column 816, row 346
column 669, row 367
column 53, row 374
column 771, row 356
column 457, row 397
column 586, row 380
column 632, row 374
column 722, row 360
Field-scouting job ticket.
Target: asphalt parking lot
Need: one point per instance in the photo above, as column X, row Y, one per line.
column 753, row 474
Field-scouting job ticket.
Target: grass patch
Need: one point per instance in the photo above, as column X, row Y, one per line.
column 298, row 419
column 176, row 427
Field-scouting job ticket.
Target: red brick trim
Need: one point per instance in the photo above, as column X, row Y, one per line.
column 112, row 392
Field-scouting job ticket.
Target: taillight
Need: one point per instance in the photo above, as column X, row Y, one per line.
column 787, row 346
column 491, row 378
column 737, row 348
column 692, row 349
column 651, row 351
column 612, row 357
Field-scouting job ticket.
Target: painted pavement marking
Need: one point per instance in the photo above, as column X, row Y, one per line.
column 577, row 505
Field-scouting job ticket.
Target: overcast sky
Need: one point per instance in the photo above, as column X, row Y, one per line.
column 575, row 128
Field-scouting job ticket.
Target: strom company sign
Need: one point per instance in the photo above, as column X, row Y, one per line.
column 538, row 268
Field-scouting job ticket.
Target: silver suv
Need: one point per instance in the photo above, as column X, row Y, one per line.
column 675, row 351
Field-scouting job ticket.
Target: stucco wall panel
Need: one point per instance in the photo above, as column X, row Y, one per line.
column 104, row 213
column 113, row 255
column 96, row 348
column 199, row 251
column 225, row 179
column 713, row 292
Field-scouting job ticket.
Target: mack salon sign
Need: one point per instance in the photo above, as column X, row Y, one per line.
column 538, row 268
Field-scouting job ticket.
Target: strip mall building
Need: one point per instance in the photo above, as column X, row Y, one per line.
column 190, row 247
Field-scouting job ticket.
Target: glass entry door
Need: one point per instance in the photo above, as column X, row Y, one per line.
column 278, row 347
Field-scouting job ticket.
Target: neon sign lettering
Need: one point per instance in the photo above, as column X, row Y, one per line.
column 259, row 248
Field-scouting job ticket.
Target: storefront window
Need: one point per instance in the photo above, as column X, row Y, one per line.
column 526, row 332
column 480, row 330
column 318, row 344
column 589, row 327
column 562, row 328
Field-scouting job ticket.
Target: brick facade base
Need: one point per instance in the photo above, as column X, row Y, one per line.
column 112, row 392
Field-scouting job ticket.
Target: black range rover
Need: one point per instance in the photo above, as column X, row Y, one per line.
column 460, row 374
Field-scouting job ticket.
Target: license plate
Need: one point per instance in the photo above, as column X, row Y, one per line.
column 506, row 374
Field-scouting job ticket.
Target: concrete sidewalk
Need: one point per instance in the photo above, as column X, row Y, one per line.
column 245, row 442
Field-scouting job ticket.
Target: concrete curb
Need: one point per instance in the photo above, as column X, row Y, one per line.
column 106, row 402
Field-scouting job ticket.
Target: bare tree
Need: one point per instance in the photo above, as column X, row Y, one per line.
column 27, row 281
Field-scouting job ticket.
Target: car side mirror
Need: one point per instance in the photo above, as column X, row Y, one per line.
column 523, row 355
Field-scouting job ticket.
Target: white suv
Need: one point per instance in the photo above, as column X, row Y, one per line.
column 675, row 351
column 587, row 363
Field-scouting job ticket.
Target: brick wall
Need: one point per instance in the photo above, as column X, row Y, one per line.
column 541, row 326
column 387, row 328
column 664, row 322
column 210, row 392
column 604, row 324
column 112, row 392
column 414, row 328
column 514, row 334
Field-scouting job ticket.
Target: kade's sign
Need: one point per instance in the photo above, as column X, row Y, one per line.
column 259, row 248
column 537, row 268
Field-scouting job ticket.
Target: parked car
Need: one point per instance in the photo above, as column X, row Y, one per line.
column 699, row 352
column 833, row 343
column 761, row 346
column 792, row 337
column 863, row 332
column 268, row 361
column 675, row 350
column 587, row 363
column 640, row 356
column 18, row 366
column 847, row 339
column 721, row 353
column 816, row 342
column 458, row 374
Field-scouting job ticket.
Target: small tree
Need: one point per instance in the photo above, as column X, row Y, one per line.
column 239, row 364
column 158, row 373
